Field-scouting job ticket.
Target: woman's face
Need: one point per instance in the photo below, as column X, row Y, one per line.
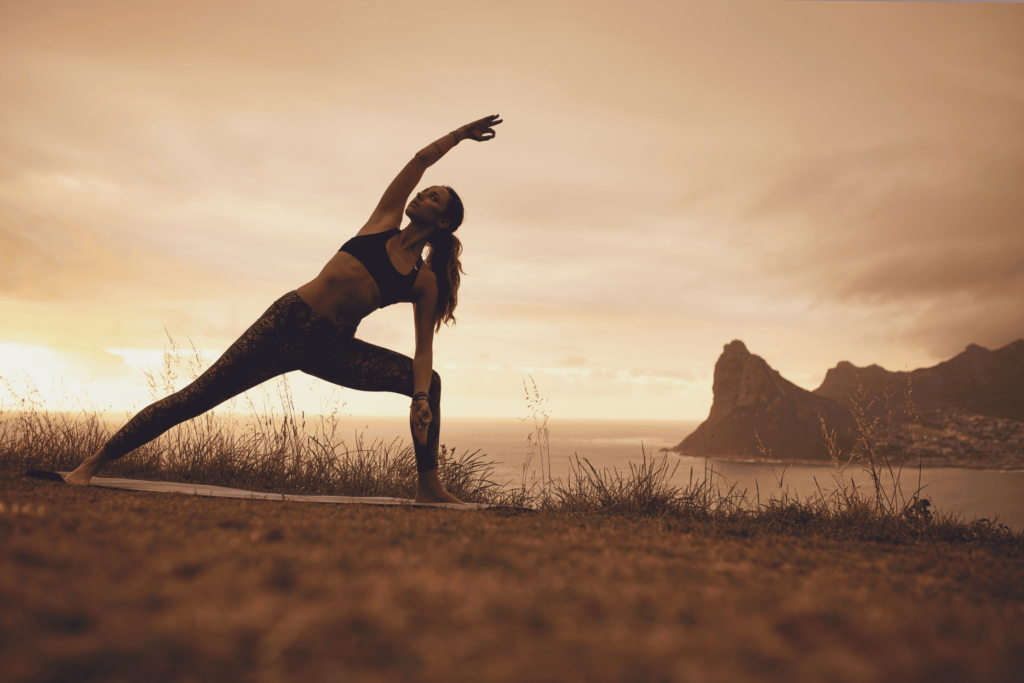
column 428, row 205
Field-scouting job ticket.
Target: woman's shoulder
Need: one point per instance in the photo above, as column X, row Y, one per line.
column 381, row 223
column 367, row 230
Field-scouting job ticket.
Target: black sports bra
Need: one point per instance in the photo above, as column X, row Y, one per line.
column 372, row 252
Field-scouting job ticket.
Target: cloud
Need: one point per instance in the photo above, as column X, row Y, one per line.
column 44, row 257
column 926, row 226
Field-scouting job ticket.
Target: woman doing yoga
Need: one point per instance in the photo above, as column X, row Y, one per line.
column 312, row 328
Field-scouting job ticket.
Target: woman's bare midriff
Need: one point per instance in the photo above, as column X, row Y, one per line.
column 344, row 292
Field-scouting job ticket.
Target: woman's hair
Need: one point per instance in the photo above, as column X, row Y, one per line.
column 446, row 248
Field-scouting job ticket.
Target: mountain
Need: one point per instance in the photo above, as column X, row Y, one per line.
column 752, row 400
column 967, row 411
column 977, row 381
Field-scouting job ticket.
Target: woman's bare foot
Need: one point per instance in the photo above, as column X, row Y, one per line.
column 430, row 490
column 84, row 473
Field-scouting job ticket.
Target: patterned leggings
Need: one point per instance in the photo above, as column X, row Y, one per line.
column 289, row 336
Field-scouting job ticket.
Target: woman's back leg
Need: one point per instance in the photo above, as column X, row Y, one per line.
column 270, row 347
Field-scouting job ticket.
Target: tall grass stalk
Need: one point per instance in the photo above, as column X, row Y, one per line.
column 537, row 441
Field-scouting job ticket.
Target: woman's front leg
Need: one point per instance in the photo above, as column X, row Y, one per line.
column 366, row 367
column 425, row 422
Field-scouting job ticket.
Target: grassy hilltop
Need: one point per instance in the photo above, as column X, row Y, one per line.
column 101, row 585
column 614, row 576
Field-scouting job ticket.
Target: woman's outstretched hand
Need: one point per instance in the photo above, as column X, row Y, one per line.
column 419, row 418
column 480, row 130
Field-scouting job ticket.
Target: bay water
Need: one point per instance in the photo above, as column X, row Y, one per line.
column 614, row 444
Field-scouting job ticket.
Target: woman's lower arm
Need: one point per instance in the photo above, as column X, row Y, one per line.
column 422, row 369
column 437, row 149
column 479, row 130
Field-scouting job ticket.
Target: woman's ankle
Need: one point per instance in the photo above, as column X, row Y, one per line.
column 430, row 490
column 100, row 457
column 89, row 468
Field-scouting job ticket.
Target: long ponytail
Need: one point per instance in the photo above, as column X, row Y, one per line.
column 443, row 259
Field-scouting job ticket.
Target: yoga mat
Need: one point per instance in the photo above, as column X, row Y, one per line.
column 223, row 492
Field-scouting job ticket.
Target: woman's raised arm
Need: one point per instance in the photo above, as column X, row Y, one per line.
column 391, row 207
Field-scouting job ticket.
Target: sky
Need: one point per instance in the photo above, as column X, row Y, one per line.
column 825, row 181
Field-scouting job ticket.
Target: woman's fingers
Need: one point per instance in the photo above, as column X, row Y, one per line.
column 420, row 431
column 489, row 123
column 480, row 127
column 419, row 419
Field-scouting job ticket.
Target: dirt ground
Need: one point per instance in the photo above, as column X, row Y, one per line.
column 99, row 585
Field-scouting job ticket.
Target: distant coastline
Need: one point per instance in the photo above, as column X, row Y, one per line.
column 908, row 464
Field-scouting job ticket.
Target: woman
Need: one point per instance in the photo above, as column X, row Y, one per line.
column 312, row 328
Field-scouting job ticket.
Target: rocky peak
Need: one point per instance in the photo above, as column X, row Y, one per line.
column 735, row 346
column 752, row 401
column 742, row 378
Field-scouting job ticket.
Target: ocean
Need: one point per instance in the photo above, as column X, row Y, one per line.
column 608, row 444
column 605, row 443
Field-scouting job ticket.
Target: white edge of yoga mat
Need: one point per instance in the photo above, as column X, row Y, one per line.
column 223, row 492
